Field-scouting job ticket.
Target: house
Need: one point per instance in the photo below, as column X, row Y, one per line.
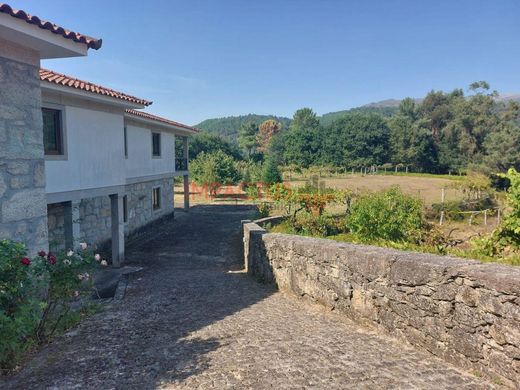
column 78, row 161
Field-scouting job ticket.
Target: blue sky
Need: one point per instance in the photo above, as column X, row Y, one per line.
column 203, row 59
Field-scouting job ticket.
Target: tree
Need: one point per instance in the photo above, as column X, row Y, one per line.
column 502, row 146
column 302, row 142
column 271, row 174
column 247, row 138
column 213, row 170
column 209, row 143
column 266, row 131
column 357, row 140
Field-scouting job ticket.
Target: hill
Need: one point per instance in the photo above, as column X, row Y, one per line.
column 228, row 127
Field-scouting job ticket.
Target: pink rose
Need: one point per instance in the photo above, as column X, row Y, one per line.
column 25, row 261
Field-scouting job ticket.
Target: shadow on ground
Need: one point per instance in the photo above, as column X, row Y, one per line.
column 144, row 340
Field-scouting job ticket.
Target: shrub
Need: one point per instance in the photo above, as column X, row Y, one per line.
column 19, row 309
column 213, row 170
column 388, row 215
column 318, row 225
column 264, row 209
column 36, row 295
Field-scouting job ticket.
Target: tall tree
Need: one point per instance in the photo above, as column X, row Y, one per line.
column 302, row 142
column 266, row 131
column 247, row 138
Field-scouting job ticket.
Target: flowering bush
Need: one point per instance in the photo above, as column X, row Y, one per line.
column 36, row 294
column 19, row 310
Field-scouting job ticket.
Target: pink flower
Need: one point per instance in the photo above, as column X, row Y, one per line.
column 51, row 259
column 42, row 254
column 83, row 245
column 25, row 261
column 97, row 257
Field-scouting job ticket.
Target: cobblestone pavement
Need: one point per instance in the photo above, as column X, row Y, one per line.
column 188, row 322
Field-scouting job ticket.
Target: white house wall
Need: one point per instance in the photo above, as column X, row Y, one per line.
column 140, row 162
column 94, row 152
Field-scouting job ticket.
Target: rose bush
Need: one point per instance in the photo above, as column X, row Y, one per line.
column 36, row 295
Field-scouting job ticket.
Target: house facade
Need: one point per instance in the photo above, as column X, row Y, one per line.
column 78, row 161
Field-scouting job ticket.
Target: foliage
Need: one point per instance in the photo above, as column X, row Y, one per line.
column 213, row 170
column 313, row 225
column 389, row 215
column 19, row 307
column 356, row 140
column 247, row 138
column 210, row 143
column 271, row 174
column 228, row 127
column 36, row 296
column 302, row 142
column 266, row 131
column 505, row 240
column 264, row 209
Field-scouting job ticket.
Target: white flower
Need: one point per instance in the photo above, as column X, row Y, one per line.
column 83, row 245
column 67, row 262
column 76, row 293
column 97, row 257
column 70, row 253
column 104, row 263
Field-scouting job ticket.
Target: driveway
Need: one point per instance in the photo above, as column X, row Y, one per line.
column 190, row 319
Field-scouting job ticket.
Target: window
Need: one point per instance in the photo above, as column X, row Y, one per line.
column 156, row 198
column 52, row 132
column 156, row 144
column 125, row 209
column 125, row 135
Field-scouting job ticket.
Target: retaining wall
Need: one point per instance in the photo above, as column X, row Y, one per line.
column 464, row 311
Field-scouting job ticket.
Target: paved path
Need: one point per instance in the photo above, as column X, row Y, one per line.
column 187, row 322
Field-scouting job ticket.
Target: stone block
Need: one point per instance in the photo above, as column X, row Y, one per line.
column 24, row 204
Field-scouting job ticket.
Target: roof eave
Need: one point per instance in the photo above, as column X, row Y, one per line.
column 109, row 100
column 179, row 130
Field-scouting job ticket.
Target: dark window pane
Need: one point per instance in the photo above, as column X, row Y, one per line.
column 126, row 142
column 52, row 131
column 156, row 198
column 156, row 144
column 125, row 208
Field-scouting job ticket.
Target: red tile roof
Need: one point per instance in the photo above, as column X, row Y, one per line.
column 45, row 25
column 156, row 118
column 67, row 81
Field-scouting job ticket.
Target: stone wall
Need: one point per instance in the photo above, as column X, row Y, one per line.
column 23, row 213
column 464, row 311
column 95, row 215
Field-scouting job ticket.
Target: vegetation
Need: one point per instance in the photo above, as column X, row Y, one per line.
column 388, row 215
column 36, row 296
column 228, row 127
column 213, row 170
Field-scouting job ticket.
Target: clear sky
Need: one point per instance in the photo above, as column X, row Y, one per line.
column 203, row 59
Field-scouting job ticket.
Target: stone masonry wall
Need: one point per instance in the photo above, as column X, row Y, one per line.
column 464, row 311
column 23, row 212
column 95, row 215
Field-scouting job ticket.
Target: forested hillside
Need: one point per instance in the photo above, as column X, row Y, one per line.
column 228, row 127
column 446, row 131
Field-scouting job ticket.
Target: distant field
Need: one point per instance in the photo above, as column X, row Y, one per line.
column 428, row 187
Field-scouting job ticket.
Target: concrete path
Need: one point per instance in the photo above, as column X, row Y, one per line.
column 188, row 322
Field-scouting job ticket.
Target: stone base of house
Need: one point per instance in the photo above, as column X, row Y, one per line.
column 95, row 215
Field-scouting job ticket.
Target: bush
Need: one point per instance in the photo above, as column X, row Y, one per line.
column 214, row 170
column 388, row 215
column 19, row 309
column 36, row 295
column 317, row 225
